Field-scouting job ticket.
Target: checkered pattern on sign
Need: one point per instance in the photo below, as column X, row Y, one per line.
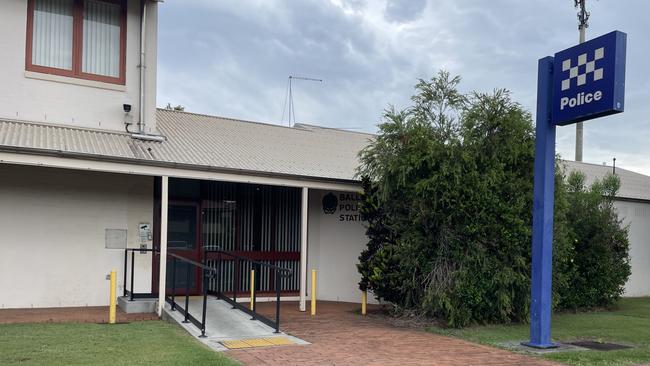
column 584, row 68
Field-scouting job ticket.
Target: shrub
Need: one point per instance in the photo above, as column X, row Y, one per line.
column 600, row 246
column 448, row 201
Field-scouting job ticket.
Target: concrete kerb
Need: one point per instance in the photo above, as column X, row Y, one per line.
column 517, row 346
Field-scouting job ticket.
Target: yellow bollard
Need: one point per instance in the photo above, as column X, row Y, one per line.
column 252, row 287
column 112, row 307
column 364, row 301
column 313, row 292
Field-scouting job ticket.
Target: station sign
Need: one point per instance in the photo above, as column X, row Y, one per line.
column 580, row 83
column 589, row 80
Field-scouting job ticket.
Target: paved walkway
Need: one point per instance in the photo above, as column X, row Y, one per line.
column 223, row 323
column 341, row 337
column 90, row 314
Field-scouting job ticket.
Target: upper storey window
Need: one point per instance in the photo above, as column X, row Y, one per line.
column 77, row 38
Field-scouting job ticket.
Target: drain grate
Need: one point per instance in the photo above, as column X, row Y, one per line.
column 599, row 346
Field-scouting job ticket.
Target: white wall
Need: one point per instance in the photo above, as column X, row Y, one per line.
column 334, row 245
column 67, row 100
column 52, row 243
column 637, row 215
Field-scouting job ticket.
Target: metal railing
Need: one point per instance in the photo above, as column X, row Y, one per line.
column 207, row 273
column 131, row 294
column 278, row 273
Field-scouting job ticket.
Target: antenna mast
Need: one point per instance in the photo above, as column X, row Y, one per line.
column 583, row 24
column 289, row 98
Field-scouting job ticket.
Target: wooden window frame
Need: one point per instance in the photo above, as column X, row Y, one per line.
column 77, row 46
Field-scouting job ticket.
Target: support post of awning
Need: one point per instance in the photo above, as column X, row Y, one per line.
column 304, row 215
column 162, row 275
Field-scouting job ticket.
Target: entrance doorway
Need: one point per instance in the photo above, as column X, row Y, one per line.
column 183, row 240
column 254, row 221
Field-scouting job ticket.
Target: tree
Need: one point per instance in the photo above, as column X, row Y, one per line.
column 448, row 202
column 600, row 245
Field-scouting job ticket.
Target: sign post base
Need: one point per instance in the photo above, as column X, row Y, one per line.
column 540, row 346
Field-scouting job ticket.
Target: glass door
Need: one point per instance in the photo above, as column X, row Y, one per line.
column 219, row 231
column 218, row 226
column 183, row 240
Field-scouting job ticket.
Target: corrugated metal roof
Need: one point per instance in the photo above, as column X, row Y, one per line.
column 633, row 185
column 222, row 143
column 205, row 141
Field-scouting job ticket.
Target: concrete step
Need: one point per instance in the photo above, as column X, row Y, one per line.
column 137, row 305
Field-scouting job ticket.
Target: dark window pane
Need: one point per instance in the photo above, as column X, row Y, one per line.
column 181, row 274
column 181, row 230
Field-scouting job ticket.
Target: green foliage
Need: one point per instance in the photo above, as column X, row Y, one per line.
column 448, row 202
column 600, row 244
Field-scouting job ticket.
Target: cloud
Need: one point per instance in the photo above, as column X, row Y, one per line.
column 233, row 59
column 404, row 10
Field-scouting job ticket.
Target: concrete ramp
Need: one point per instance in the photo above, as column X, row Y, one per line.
column 227, row 326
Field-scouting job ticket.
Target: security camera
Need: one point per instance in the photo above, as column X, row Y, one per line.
column 127, row 108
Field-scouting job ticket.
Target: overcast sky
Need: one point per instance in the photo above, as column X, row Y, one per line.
column 232, row 59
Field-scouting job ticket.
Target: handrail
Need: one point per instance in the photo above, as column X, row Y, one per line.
column 207, row 273
column 279, row 272
column 289, row 271
column 131, row 293
column 197, row 264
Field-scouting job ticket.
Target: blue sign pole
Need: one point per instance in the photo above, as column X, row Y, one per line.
column 544, row 186
column 580, row 83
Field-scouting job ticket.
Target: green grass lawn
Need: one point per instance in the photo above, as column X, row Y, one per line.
column 138, row 343
column 629, row 324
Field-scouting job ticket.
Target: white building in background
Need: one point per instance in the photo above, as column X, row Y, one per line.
column 89, row 168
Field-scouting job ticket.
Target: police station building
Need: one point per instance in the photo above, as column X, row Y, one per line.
column 73, row 199
column 90, row 169
column 94, row 178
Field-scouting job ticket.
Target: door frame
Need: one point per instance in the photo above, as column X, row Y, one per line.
column 273, row 255
column 196, row 256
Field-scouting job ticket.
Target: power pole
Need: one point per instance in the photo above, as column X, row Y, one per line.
column 583, row 18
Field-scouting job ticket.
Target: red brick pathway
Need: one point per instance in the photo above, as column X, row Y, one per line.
column 341, row 337
column 90, row 314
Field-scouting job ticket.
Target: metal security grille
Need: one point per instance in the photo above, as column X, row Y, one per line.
column 259, row 222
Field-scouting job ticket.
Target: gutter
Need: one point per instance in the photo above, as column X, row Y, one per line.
column 147, row 137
